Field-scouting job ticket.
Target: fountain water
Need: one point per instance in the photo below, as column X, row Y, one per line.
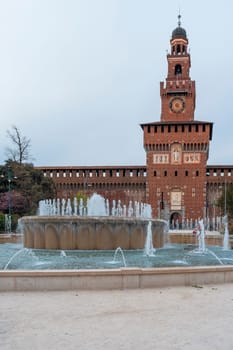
column 201, row 243
column 97, row 206
column 149, row 248
column 120, row 251
column 63, row 253
column 226, row 234
column 13, row 257
column 215, row 256
column 201, row 237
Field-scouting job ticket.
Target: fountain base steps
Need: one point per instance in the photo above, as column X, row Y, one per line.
column 124, row 278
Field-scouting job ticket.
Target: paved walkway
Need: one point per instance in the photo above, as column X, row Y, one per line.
column 192, row 318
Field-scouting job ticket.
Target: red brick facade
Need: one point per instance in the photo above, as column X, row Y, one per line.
column 176, row 180
column 124, row 183
column 177, row 147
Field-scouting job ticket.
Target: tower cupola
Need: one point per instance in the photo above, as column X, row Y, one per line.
column 179, row 40
column 179, row 32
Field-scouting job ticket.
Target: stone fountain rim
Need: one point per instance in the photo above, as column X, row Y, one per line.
column 71, row 218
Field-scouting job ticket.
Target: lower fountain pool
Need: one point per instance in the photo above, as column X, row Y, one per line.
column 15, row 257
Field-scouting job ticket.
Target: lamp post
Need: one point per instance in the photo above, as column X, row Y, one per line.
column 9, row 176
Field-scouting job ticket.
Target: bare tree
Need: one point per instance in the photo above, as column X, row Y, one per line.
column 20, row 151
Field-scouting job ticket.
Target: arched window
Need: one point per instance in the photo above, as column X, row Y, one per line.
column 178, row 69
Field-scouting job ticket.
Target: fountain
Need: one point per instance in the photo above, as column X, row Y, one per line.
column 70, row 246
column 96, row 231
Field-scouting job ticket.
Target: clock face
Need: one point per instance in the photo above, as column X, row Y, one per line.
column 177, row 105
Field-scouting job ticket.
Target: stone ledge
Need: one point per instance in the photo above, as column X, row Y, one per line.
column 124, row 278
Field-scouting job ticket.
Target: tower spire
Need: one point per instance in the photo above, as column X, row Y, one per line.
column 179, row 21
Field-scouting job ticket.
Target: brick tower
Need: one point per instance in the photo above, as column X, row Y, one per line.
column 177, row 146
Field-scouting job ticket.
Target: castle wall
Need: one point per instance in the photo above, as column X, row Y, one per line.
column 129, row 183
column 113, row 183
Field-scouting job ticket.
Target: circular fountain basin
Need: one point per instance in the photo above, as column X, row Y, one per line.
column 41, row 269
column 16, row 257
column 89, row 233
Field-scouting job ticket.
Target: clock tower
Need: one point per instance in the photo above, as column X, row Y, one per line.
column 177, row 146
column 178, row 93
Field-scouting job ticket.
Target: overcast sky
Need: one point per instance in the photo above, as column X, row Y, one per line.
column 78, row 77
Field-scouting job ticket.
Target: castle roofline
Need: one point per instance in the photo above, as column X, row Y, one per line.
column 191, row 122
column 176, row 123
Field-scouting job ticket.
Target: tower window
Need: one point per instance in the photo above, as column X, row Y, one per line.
column 176, row 173
column 165, row 173
column 155, row 173
column 178, row 69
column 186, row 173
column 197, row 173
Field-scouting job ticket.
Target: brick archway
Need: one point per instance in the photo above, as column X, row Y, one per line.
column 175, row 220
